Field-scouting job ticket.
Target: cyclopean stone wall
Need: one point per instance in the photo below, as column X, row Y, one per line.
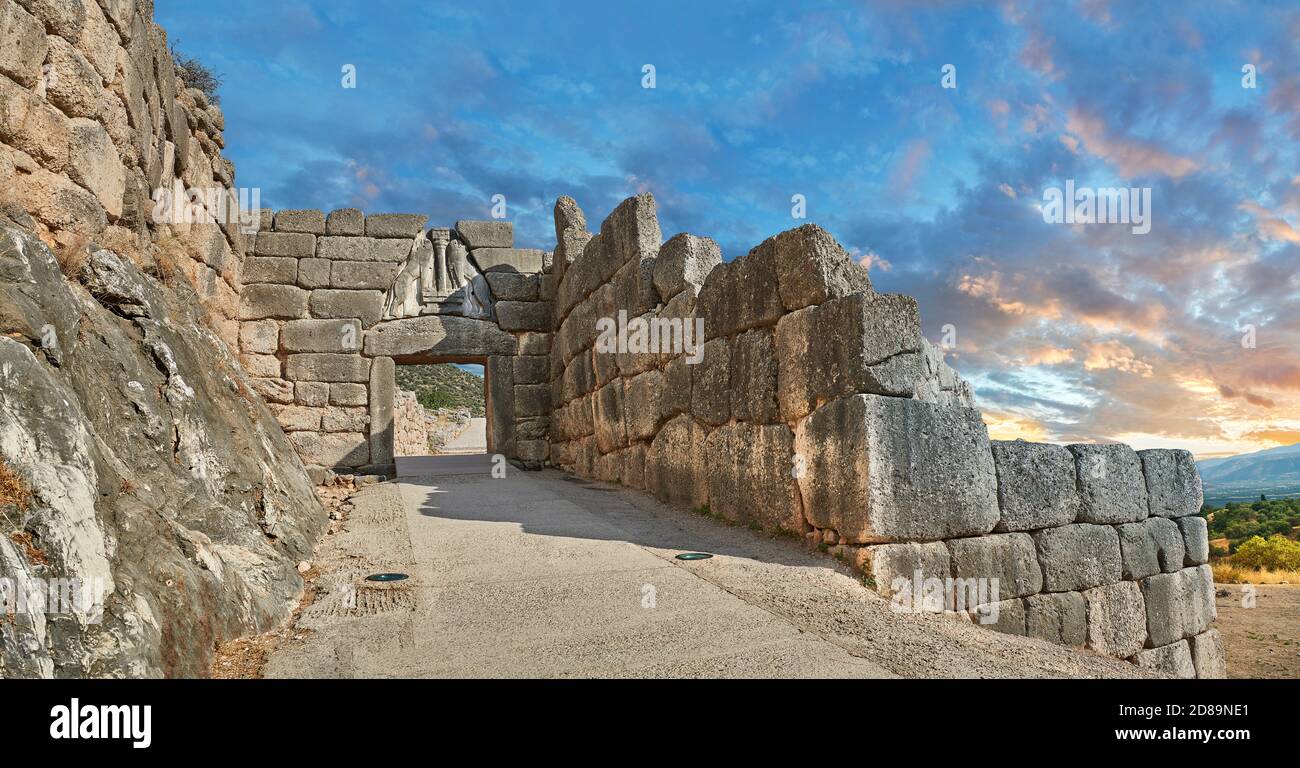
column 324, row 322
column 815, row 407
column 93, row 123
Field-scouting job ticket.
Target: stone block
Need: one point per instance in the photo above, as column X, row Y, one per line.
column 314, row 273
column 1149, row 547
column 341, row 419
column 753, row 377
column 362, row 249
column 1057, row 617
column 314, row 393
column 336, row 449
column 310, row 222
column 439, row 335
column 1178, row 605
column 862, row 343
column 513, row 286
column 1195, row 539
column 327, row 367
column 329, row 303
column 1172, row 483
column 524, row 260
column 260, row 337
column 1174, row 660
column 1111, row 486
column 750, row 478
column 812, row 268
column 673, row 471
column 533, row 343
column 360, row 275
column 500, row 372
column 25, row 44
column 261, row 366
column 346, row 222
column 297, row 418
column 395, row 225
column 631, row 231
column 94, row 164
column 273, row 390
column 321, row 336
column 677, row 388
column 1005, row 616
column 684, row 261
column 270, row 269
column 1116, row 619
column 611, row 430
column 532, row 399
column 1036, row 486
column 739, row 295
column 711, row 384
column 1208, row 656
column 486, row 234
column 348, row 394
column 643, row 406
column 1010, row 558
column 382, row 390
column 884, row 468
column 524, row 315
column 1078, row 556
column 292, row 244
column 531, row 369
column 893, row 568
column 283, row 302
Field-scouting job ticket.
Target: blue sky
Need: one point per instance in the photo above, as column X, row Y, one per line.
column 1067, row 332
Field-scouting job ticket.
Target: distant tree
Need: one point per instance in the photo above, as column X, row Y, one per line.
column 195, row 74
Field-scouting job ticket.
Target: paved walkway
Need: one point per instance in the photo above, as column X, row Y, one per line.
column 539, row 574
column 472, row 440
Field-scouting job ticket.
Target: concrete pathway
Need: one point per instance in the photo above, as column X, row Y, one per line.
column 472, row 440
column 544, row 575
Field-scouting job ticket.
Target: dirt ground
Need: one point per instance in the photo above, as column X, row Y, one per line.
column 1263, row 641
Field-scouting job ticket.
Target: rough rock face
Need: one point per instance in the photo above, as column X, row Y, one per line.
column 156, row 477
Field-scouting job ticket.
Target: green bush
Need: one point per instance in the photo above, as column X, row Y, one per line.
column 195, row 74
column 1277, row 553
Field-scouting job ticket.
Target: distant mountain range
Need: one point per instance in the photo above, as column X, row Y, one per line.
column 1273, row 472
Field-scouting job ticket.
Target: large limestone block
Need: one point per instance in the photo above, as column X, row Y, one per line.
column 331, row 303
column 1078, row 556
column 403, row 226
column 1174, row 660
column 531, row 369
column 523, row 260
column 633, row 285
column 293, row 244
column 383, row 391
column 894, row 568
column 93, row 163
column 284, row 302
column 311, row 222
column 362, row 249
column 524, row 315
column 1179, row 605
column 753, row 377
column 862, row 343
column 281, row 270
column 321, row 336
column 674, row 472
column 1172, row 483
column 315, row 366
column 500, row 372
column 631, row 231
column 1036, row 487
column 297, row 418
column 337, row 419
column 611, row 429
column 750, row 475
column 346, row 221
column 1208, row 656
column 711, row 384
column 644, row 404
column 1010, row 558
column 74, row 87
column 512, row 286
column 885, row 469
column 24, row 46
column 684, row 261
column 1149, row 547
column 1116, row 619
column 812, row 268
column 486, row 234
column 1057, row 617
column 260, row 337
column 739, row 295
column 334, row 449
column 677, row 388
column 32, row 125
column 1196, row 540
column 531, row 399
column 1111, row 486
column 360, row 275
column 314, row 273
column 314, row 393
column 350, row 394
column 443, row 335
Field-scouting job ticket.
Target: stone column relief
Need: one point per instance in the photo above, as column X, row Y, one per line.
column 437, row 278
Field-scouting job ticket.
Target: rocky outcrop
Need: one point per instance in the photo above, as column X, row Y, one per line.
column 160, row 486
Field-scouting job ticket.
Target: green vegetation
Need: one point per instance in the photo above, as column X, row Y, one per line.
column 1239, row 521
column 443, row 386
column 1277, row 553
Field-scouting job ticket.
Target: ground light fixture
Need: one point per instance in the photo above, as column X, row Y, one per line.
column 694, row 556
column 387, row 577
